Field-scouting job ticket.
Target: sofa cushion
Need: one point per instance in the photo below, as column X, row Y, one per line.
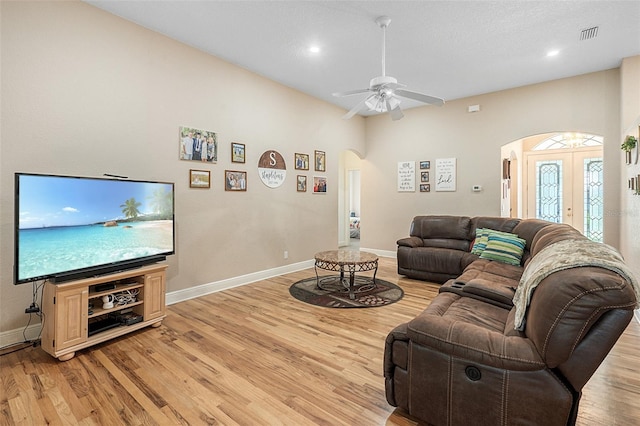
column 484, row 266
column 435, row 259
column 467, row 328
column 503, row 224
column 489, row 281
column 551, row 234
column 505, row 248
column 451, row 227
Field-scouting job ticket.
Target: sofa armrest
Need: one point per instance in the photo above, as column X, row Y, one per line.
column 498, row 292
column 411, row 242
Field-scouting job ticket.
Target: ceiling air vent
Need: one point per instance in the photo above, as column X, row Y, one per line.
column 589, row 33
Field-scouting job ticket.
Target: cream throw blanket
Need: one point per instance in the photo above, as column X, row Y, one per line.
column 562, row 255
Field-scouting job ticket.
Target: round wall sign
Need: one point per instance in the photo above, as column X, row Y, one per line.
column 272, row 169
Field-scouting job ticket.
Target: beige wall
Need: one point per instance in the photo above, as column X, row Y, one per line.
column 589, row 103
column 87, row 93
column 630, row 206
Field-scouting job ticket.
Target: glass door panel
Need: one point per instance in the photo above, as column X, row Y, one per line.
column 567, row 187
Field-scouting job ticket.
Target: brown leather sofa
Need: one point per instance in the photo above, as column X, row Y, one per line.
column 462, row 361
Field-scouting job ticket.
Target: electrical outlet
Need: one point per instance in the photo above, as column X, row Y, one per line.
column 286, row 254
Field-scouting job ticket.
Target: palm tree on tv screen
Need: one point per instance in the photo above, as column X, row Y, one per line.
column 130, row 208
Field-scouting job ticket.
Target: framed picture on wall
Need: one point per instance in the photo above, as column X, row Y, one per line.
column 235, row 180
column 301, row 183
column 320, row 161
column 425, row 164
column 425, row 187
column 319, row 185
column 237, row 152
column 424, row 176
column 301, row 161
column 198, row 145
column 199, row 179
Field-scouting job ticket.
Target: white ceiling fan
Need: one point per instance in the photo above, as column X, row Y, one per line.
column 385, row 90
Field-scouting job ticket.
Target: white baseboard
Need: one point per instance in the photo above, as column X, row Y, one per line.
column 204, row 289
column 32, row 332
column 201, row 290
column 381, row 253
column 12, row 337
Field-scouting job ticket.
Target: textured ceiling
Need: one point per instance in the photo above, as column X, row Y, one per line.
column 447, row 49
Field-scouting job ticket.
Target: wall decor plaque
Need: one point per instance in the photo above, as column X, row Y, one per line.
column 406, row 176
column 445, row 174
column 272, row 169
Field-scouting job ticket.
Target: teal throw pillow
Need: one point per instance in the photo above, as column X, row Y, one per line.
column 482, row 237
column 505, row 248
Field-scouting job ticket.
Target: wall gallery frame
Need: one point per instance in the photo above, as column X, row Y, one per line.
column 425, row 165
column 320, row 158
column 199, row 178
column 235, row 180
column 198, row 145
column 319, row 185
column 301, row 183
column 425, row 187
column 424, row 177
column 237, row 152
column 301, row 161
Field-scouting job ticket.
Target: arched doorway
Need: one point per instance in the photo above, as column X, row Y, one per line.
column 563, row 180
column 349, row 200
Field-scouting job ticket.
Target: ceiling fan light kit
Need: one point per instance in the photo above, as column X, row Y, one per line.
column 384, row 90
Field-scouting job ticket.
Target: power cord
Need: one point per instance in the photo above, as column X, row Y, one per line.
column 126, row 297
column 33, row 309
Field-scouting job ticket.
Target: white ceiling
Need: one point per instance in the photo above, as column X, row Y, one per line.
column 447, row 49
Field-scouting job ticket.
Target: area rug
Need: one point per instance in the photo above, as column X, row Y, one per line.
column 334, row 294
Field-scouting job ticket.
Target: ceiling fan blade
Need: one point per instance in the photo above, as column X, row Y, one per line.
column 392, row 86
column 419, row 97
column 395, row 113
column 356, row 108
column 350, row 92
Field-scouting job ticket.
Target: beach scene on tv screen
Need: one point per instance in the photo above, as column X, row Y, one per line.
column 74, row 223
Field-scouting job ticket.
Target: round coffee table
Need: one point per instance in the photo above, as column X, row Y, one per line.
column 350, row 261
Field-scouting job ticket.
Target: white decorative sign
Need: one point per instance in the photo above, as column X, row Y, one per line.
column 272, row 169
column 445, row 174
column 407, row 176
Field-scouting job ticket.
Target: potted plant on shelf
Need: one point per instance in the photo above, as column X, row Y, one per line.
column 630, row 142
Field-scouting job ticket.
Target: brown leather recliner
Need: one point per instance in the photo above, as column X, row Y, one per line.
column 462, row 362
column 437, row 248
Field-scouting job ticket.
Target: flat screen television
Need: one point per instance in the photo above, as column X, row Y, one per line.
column 71, row 227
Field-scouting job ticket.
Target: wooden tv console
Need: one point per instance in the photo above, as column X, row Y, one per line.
column 70, row 307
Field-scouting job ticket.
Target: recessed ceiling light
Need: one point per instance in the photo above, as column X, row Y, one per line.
column 314, row 49
column 553, row 53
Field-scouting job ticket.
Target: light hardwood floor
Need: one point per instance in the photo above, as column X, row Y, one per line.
column 253, row 355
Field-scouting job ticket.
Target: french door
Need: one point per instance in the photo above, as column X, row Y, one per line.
column 567, row 187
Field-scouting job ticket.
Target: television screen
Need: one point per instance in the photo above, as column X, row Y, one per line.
column 73, row 227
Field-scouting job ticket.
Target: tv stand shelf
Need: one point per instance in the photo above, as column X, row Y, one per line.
column 66, row 308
